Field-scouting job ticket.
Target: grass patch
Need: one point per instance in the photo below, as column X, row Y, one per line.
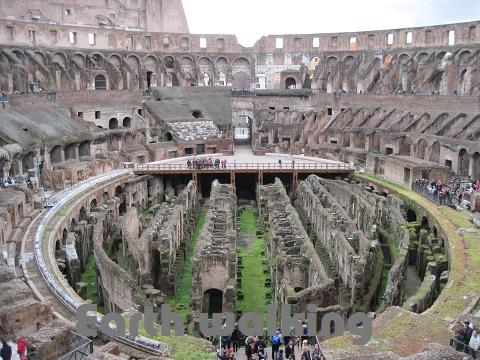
column 253, row 278
column 184, row 287
column 182, row 347
column 89, row 277
column 390, row 241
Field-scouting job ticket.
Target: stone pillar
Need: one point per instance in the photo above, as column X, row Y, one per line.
column 471, row 166
column 58, row 82
column 368, row 142
column 10, row 83
column 352, row 140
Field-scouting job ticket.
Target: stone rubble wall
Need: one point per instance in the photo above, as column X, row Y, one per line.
column 215, row 259
column 298, row 275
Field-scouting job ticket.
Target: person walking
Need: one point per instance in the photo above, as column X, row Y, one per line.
column 6, row 352
column 21, row 346
column 276, row 341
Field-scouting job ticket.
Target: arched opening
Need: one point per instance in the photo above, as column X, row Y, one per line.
column 197, row 114
column 424, row 224
column 100, row 82
column 241, row 81
column 105, row 197
column 27, row 162
column 360, row 140
column 118, row 191
column 169, row 62
column 113, row 124
column 84, row 149
column 56, row 154
column 212, row 301
column 346, row 139
column 290, row 83
column 149, row 79
column 406, row 146
column 127, row 122
column 476, row 165
column 70, row 152
column 435, row 152
column 463, row 162
column 421, row 147
column 93, row 204
column 168, row 136
column 411, row 215
column 376, row 142
column 83, row 215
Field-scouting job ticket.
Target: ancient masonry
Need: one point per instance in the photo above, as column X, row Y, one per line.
column 215, row 259
column 298, row 276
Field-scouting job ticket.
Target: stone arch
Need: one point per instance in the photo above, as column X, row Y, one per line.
column 463, row 162
column 188, row 68
column 346, row 139
column 348, row 62
column 73, row 225
column 40, row 57
column 169, row 62
column 221, row 63
column 376, row 139
column 421, row 60
column 84, row 148
column 411, row 215
column 28, row 161
column 105, row 196
column 96, row 60
column 405, row 146
column 421, row 149
column 116, row 61
column 241, row 80
column 150, row 62
column 464, row 57
column 56, row 154
column 82, row 214
column 168, row 136
column 118, row 191
column 212, row 301
column 127, row 122
column 360, row 140
column 60, row 58
column 435, row 152
column 100, row 82
column 113, row 124
column 93, row 204
column 241, row 73
column 476, row 165
column 290, row 83
column 70, row 151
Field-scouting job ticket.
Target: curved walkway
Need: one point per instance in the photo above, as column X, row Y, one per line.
column 406, row 333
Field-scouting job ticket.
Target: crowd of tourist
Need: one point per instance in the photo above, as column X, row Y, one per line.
column 452, row 193
column 282, row 347
column 467, row 340
column 24, row 350
column 204, row 163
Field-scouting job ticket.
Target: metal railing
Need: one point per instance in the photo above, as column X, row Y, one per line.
column 81, row 347
column 465, row 348
column 55, row 285
column 441, row 197
column 243, row 166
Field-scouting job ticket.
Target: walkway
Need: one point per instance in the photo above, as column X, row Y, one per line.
column 245, row 161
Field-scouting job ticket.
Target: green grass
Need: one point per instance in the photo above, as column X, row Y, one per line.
column 184, row 287
column 89, row 277
column 253, row 278
column 390, row 241
column 182, row 347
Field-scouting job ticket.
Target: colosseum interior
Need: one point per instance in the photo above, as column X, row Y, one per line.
column 143, row 165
